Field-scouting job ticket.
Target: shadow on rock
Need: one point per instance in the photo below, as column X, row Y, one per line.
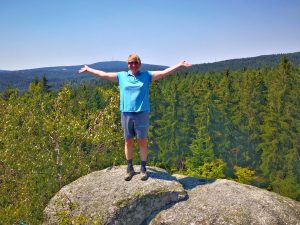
column 189, row 183
column 156, row 212
column 159, row 174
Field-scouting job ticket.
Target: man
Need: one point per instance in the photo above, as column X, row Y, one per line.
column 135, row 105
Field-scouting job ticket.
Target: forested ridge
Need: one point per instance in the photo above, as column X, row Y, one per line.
column 241, row 125
column 256, row 62
column 60, row 75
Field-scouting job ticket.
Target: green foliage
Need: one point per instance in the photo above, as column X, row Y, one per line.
column 244, row 175
column 213, row 169
column 48, row 140
column 201, row 124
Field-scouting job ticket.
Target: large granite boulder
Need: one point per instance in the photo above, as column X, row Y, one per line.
column 228, row 202
column 103, row 197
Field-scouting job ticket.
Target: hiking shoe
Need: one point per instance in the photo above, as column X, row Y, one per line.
column 144, row 175
column 129, row 174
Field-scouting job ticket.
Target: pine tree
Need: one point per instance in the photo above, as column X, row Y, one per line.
column 280, row 120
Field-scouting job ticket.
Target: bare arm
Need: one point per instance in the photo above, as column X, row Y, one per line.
column 112, row 76
column 160, row 74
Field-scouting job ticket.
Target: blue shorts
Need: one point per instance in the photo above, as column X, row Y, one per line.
column 135, row 124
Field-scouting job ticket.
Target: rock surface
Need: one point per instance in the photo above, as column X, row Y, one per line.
column 103, row 197
column 228, row 202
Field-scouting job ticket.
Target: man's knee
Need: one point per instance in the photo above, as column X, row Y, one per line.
column 129, row 141
column 143, row 142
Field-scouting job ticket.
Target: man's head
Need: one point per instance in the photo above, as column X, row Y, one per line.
column 134, row 63
column 134, row 58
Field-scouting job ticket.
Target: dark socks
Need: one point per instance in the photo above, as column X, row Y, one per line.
column 129, row 164
column 143, row 165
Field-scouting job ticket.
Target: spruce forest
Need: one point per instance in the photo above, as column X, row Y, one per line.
column 242, row 125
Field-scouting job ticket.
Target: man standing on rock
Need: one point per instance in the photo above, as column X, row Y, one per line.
column 135, row 105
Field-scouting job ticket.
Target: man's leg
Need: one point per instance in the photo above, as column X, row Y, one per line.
column 129, row 148
column 143, row 145
column 129, row 155
column 141, row 128
column 127, row 125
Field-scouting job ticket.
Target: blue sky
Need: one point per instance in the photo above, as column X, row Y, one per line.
column 40, row 33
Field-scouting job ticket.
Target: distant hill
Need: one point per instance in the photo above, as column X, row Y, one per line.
column 58, row 76
column 269, row 61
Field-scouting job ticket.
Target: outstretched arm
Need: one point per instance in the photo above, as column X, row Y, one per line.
column 160, row 74
column 112, row 76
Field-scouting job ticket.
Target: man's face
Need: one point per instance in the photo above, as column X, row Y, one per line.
column 133, row 65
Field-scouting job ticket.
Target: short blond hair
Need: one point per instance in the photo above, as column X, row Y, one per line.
column 135, row 57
